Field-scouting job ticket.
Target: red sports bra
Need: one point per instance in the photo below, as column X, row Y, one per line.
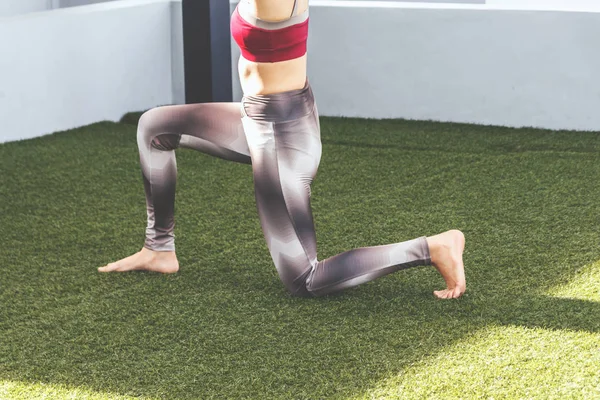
column 265, row 41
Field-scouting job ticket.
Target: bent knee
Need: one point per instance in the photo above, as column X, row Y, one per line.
column 150, row 119
column 153, row 130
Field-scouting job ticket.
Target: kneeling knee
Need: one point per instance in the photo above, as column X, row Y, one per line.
column 299, row 286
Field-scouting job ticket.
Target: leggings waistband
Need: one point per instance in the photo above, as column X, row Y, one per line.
column 279, row 107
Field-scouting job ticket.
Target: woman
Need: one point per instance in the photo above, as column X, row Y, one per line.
column 279, row 134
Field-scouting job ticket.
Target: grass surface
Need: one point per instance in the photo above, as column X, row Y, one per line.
column 527, row 200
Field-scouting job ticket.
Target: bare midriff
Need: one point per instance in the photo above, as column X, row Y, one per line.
column 259, row 78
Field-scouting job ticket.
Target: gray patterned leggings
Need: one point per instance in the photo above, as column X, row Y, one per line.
column 279, row 135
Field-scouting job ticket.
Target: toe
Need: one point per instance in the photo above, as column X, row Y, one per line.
column 448, row 293
column 109, row 268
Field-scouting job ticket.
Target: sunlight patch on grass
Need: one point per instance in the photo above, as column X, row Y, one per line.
column 504, row 362
column 14, row 390
column 584, row 286
column 511, row 362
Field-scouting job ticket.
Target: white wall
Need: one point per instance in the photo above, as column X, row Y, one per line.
column 539, row 5
column 548, row 5
column 75, row 66
column 73, row 3
column 9, row 8
column 462, row 63
column 451, row 62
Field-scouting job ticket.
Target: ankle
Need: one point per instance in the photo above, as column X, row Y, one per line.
column 157, row 255
column 438, row 249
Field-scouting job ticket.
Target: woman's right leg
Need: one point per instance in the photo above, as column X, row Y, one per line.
column 211, row 128
column 284, row 138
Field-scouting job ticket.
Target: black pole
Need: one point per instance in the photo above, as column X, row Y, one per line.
column 206, row 51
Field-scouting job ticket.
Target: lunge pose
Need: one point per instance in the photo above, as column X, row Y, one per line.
column 276, row 129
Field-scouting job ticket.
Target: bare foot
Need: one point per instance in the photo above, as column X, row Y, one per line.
column 145, row 260
column 446, row 250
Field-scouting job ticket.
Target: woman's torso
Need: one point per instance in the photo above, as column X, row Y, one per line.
column 260, row 78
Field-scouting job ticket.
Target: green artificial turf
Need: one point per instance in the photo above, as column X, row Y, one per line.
column 224, row 327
